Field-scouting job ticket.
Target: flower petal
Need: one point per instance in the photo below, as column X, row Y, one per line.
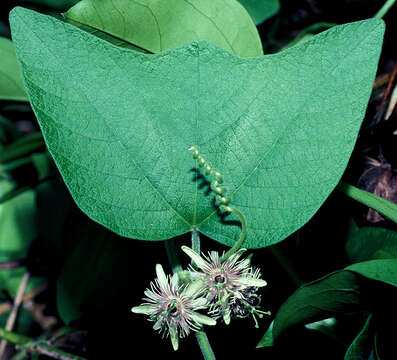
column 226, row 317
column 162, row 278
column 174, row 338
column 194, row 288
column 143, row 309
column 198, row 260
column 202, row 319
column 248, row 281
column 234, row 257
column 199, row 303
column 175, row 281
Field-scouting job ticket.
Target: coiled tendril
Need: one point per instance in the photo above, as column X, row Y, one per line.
column 220, row 196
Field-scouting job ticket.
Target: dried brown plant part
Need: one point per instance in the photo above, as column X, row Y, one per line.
column 392, row 103
column 380, row 81
column 14, row 312
column 379, row 179
column 387, row 92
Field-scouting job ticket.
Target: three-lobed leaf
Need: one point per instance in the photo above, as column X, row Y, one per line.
column 157, row 25
column 118, row 123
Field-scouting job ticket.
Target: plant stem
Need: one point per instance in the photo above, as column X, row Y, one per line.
column 12, row 264
column 172, row 255
column 175, row 263
column 29, row 344
column 382, row 206
column 238, row 243
column 384, row 9
column 205, row 346
column 196, row 241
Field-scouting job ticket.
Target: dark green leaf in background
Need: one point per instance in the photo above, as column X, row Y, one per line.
column 119, row 123
column 17, row 224
column 95, row 274
column 261, row 10
column 335, row 294
column 11, row 86
column 362, row 346
column 368, row 243
column 59, row 5
column 157, row 25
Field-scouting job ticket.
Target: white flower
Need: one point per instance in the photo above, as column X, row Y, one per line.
column 173, row 307
column 230, row 286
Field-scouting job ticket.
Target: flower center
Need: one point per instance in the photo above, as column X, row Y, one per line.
column 219, row 279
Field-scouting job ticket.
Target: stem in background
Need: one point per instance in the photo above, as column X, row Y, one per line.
column 12, row 264
column 384, row 9
column 382, row 206
column 172, row 255
column 238, row 243
column 29, row 344
column 14, row 312
column 175, row 263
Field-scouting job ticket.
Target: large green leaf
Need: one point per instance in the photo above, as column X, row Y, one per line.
column 11, row 86
column 118, row 124
column 368, row 243
column 261, row 10
column 335, row 294
column 157, row 25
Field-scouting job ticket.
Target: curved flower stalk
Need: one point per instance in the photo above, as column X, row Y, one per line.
column 230, row 285
column 173, row 307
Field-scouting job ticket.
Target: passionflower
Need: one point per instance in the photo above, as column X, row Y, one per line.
column 173, row 307
column 230, row 286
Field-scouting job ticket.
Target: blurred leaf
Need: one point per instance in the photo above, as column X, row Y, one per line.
column 11, row 85
column 362, row 346
column 22, row 147
column 258, row 120
column 17, row 230
column 105, row 36
column 95, row 274
column 59, row 5
column 43, row 164
column 54, row 205
column 332, row 295
column 24, row 324
column 261, row 10
column 368, row 243
column 8, row 131
column 309, row 32
column 156, row 25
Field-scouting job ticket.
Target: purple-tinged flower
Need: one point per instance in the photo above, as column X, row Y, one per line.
column 173, row 307
column 230, row 285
